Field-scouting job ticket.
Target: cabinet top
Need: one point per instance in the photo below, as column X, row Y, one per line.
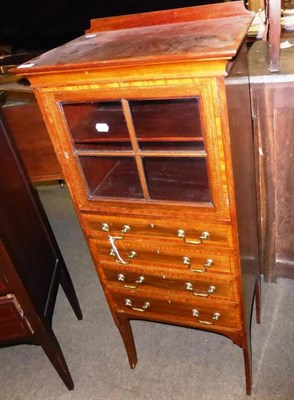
column 179, row 35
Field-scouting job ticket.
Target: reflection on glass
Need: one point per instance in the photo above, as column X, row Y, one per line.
column 177, row 179
column 172, row 124
column 97, row 126
column 111, row 177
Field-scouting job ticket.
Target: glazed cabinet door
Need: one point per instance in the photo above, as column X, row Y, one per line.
column 152, row 146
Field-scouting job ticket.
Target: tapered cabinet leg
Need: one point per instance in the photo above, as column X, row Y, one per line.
column 248, row 369
column 125, row 330
column 53, row 351
column 69, row 290
column 247, row 352
column 257, row 300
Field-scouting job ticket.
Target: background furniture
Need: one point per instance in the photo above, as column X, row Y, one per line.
column 273, row 116
column 23, row 117
column 31, row 264
column 147, row 131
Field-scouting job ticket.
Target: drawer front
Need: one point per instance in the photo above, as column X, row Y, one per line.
column 183, row 285
column 12, row 324
column 192, row 234
column 160, row 256
column 217, row 315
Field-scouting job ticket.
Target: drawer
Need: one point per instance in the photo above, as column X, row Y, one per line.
column 183, row 285
column 12, row 324
column 167, row 309
column 179, row 232
column 160, row 256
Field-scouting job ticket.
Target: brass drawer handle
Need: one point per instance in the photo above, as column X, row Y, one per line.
column 215, row 317
column 125, row 229
column 211, row 289
column 121, row 278
column 204, row 236
column 208, row 263
column 114, row 253
column 129, row 303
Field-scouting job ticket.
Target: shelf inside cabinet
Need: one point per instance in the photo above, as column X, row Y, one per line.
column 152, row 144
column 182, row 179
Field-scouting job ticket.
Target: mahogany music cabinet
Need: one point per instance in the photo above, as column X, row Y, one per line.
column 150, row 118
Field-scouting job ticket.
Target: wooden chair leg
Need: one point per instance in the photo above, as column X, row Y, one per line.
column 53, row 351
column 125, row 330
column 69, row 290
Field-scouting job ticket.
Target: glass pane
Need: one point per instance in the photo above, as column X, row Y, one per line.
column 97, row 126
column 172, row 124
column 111, row 177
column 177, row 179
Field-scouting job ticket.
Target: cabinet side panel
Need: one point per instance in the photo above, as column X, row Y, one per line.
column 242, row 148
column 283, row 118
